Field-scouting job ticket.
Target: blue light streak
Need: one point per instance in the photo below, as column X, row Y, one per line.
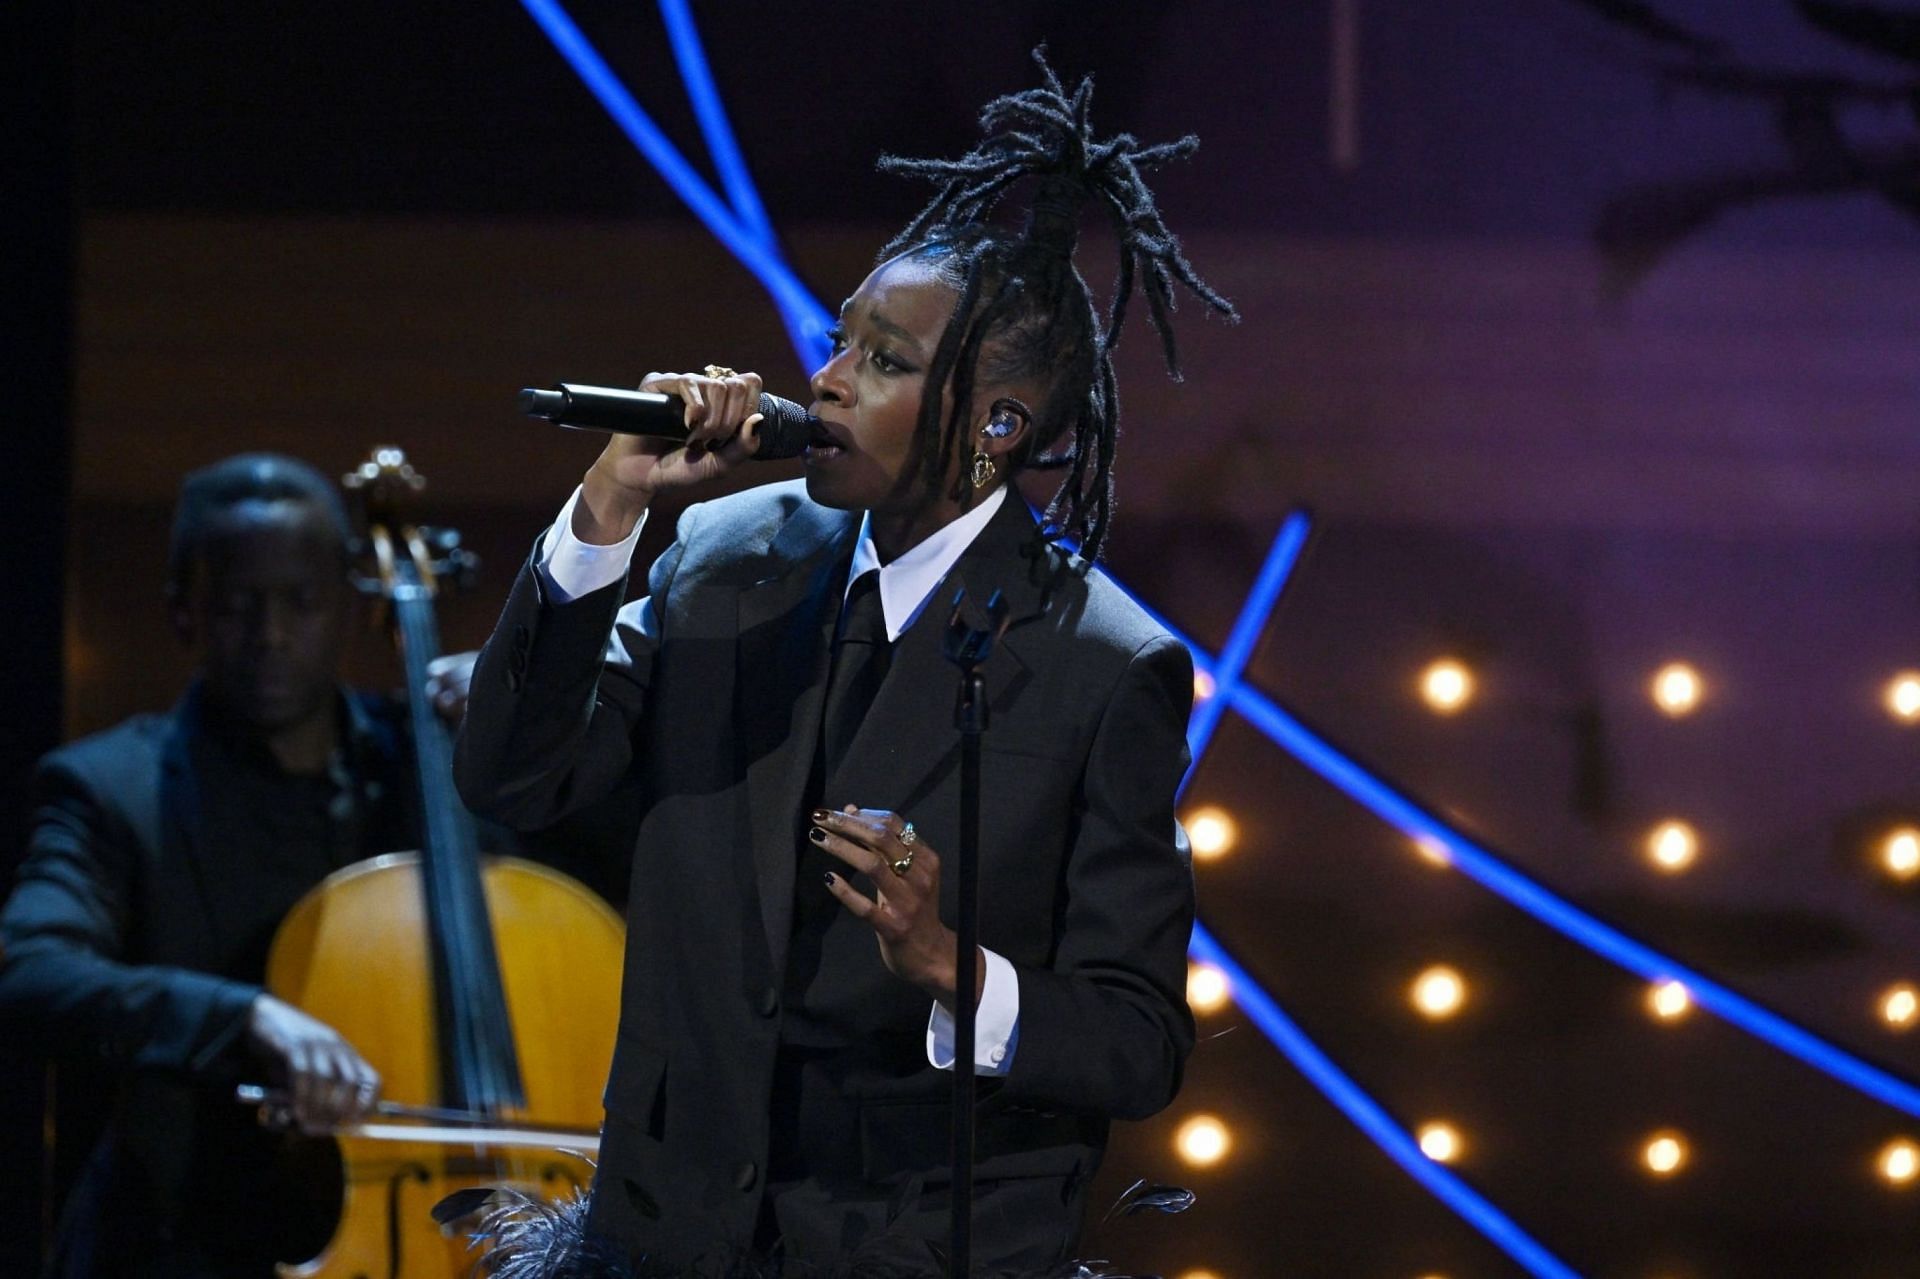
column 789, row 294
column 714, row 125
column 1246, row 632
column 1372, row 1119
column 805, row 326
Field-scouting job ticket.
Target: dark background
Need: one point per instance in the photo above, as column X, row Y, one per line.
column 316, row 228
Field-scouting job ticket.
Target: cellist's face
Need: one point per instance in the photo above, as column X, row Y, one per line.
column 270, row 615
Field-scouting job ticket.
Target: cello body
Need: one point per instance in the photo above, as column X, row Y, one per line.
column 560, row 951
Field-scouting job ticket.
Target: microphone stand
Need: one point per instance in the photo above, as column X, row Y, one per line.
column 967, row 647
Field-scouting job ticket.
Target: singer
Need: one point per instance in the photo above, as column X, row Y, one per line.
column 780, row 693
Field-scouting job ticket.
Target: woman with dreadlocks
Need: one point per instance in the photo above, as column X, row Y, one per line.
column 781, row 694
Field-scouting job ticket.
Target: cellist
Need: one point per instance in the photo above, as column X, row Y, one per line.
column 162, row 856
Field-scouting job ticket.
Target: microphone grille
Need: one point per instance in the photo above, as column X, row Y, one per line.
column 786, row 430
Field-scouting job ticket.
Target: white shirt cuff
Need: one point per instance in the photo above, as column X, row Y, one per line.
column 996, row 1024
column 573, row 568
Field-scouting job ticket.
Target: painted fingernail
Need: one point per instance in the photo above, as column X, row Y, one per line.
column 817, row 835
column 828, row 879
column 820, row 815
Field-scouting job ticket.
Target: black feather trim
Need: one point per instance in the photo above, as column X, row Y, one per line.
column 1140, row 1197
column 524, row 1237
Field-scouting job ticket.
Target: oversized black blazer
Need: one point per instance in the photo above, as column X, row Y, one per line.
column 711, row 688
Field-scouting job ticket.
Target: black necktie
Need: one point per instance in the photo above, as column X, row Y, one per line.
column 860, row 659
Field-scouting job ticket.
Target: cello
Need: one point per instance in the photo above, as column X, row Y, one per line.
column 484, row 990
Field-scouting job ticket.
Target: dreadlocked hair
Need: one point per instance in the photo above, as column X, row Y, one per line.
column 1022, row 305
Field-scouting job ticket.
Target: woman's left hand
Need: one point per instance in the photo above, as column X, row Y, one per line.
column 905, row 909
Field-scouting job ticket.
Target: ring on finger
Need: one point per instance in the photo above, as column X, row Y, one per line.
column 720, row 371
column 903, row 865
column 908, row 835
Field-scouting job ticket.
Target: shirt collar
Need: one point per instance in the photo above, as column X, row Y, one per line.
column 906, row 583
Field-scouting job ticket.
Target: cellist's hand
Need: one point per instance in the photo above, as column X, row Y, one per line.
column 330, row 1084
column 449, row 677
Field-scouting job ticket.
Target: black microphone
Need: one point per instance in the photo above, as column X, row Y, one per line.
column 785, row 429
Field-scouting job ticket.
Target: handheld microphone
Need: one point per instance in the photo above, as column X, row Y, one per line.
column 785, row 428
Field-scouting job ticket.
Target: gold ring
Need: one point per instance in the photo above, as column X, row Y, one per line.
column 907, row 835
column 904, row 865
column 720, row 371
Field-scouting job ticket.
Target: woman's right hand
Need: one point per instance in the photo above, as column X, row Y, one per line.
column 722, row 416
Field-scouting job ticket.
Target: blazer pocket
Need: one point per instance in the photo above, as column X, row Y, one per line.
column 636, row 1093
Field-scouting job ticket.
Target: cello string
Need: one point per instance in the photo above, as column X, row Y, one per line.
column 489, row 1065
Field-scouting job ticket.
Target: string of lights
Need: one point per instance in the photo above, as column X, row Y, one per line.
column 1491, row 872
column 1371, row 1118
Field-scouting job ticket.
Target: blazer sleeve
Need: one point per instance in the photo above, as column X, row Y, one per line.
column 557, row 694
column 1105, row 1027
column 65, row 980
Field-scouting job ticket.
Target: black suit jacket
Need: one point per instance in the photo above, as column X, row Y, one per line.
column 710, row 689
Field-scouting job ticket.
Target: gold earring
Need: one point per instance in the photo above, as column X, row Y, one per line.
column 982, row 469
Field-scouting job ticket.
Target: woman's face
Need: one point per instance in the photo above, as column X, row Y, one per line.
column 868, row 393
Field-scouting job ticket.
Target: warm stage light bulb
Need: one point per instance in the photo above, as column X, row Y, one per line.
column 1673, row 846
column 1202, row 1141
column 1440, row 1142
column 1665, row 1154
column 1211, row 833
column 1439, row 992
column 1677, row 688
column 1669, row 1000
column 1447, row 686
column 1900, row 1006
column 1207, row 988
column 1198, row 1274
column 1203, row 686
column 1899, row 1162
column 1432, row 850
column 1900, row 853
column 1903, row 696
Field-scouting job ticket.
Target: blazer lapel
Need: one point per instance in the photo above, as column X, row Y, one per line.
column 786, row 620
column 908, row 742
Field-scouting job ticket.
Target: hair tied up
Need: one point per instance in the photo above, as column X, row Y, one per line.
column 1021, row 304
column 1053, row 223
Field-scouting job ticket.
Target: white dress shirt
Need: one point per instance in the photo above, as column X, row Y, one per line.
column 572, row 568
